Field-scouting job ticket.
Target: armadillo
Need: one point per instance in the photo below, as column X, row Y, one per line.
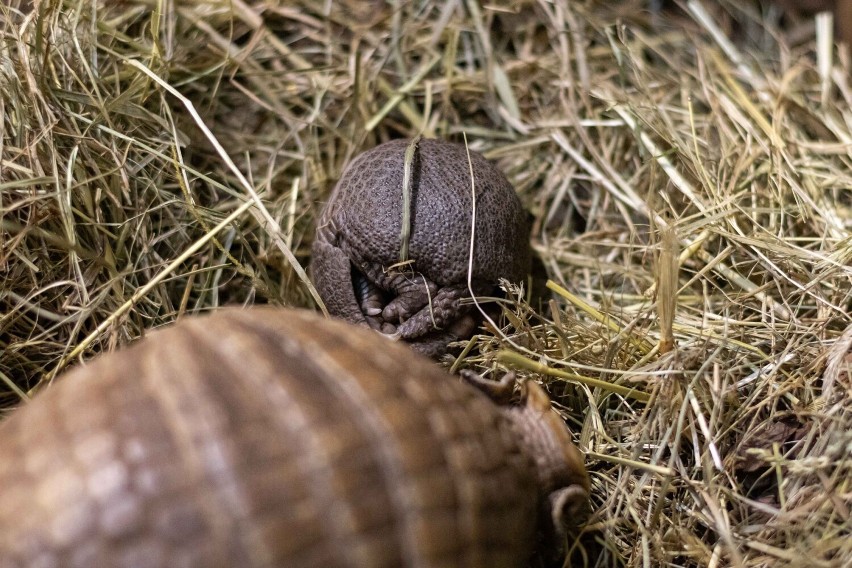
column 273, row 437
column 356, row 254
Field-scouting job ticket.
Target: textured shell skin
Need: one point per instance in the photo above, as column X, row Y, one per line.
column 263, row 437
column 356, row 253
column 366, row 210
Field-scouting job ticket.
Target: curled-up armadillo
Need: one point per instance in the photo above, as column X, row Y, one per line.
column 356, row 254
column 272, row 437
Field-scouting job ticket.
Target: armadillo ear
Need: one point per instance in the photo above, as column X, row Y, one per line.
column 498, row 391
column 535, row 397
column 574, row 466
column 569, row 508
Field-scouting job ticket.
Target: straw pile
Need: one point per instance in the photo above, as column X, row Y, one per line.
column 688, row 169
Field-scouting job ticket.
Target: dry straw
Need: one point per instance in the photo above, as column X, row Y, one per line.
column 688, row 171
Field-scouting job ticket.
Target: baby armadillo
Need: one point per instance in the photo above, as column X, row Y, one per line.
column 356, row 253
column 272, row 437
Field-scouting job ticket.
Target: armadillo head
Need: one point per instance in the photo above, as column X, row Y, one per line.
column 559, row 464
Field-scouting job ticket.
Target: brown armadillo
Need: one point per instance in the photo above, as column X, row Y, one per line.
column 272, row 437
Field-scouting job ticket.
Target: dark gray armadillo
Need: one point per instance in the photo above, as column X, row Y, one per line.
column 356, row 253
column 272, row 437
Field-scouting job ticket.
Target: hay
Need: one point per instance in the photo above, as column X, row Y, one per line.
column 688, row 171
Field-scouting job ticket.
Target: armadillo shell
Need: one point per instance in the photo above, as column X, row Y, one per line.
column 262, row 437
